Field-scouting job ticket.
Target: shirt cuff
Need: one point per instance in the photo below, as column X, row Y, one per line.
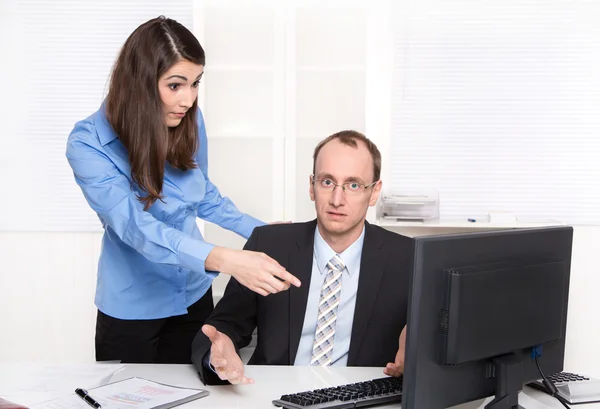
column 206, row 362
column 193, row 254
column 247, row 225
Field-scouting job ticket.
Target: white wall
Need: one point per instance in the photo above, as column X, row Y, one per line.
column 47, row 285
column 583, row 329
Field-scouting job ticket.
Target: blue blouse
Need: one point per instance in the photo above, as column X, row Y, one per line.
column 152, row 262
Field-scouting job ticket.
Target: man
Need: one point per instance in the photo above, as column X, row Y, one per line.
column 351, row 307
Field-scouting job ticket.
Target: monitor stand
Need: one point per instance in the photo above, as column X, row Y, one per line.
column 509, row 382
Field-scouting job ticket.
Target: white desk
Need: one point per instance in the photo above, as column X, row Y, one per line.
column 271, row 382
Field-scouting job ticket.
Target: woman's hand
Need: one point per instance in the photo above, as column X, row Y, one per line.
column 257, row 271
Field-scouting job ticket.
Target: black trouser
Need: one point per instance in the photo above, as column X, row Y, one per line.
column 165, row 340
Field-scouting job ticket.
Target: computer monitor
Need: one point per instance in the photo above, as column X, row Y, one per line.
column 479, row 303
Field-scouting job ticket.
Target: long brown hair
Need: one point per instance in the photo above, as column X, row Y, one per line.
column 134, row 107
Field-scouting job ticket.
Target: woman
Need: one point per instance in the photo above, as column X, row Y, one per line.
column 141, row 162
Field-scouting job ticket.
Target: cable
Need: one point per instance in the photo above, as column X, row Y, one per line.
column 550, row 387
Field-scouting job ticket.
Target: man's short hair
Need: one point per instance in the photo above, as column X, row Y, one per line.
column 351, row 138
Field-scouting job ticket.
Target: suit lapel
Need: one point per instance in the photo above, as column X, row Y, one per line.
column 372, row 268
column 301, row 260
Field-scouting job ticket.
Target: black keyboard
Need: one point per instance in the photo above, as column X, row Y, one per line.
column 353, row 395
column 567, row 377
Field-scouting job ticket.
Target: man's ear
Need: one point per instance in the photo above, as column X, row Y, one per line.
column 311, row 188
column 376, row 191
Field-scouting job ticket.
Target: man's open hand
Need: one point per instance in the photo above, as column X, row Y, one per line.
column 223, row 357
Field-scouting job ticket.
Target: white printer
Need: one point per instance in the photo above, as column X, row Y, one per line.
column 410, row 207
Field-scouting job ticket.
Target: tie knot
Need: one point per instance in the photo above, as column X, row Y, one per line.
column 336, row 263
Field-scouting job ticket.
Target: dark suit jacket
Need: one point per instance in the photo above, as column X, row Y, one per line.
column 381, row 301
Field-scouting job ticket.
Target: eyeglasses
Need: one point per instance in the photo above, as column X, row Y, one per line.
column 352, row 188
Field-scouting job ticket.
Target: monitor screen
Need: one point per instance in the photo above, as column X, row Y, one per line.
column 479, row 303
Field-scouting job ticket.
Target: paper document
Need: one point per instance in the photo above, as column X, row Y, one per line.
column 31, row 383
column 132, row 393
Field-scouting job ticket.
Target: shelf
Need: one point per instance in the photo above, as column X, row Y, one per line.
column 467, row 224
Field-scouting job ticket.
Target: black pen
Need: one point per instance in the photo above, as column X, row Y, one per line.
column 83, row 394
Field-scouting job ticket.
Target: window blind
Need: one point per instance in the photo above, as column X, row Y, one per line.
column 59, row 55
column 496, row 106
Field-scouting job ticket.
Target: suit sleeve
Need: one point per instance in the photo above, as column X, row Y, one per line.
column 234, row 315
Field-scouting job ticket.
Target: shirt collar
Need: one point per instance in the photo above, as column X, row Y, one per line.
column 351, row 256
column 106, row 133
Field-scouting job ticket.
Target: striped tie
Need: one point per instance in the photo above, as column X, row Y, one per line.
column 328, row 306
